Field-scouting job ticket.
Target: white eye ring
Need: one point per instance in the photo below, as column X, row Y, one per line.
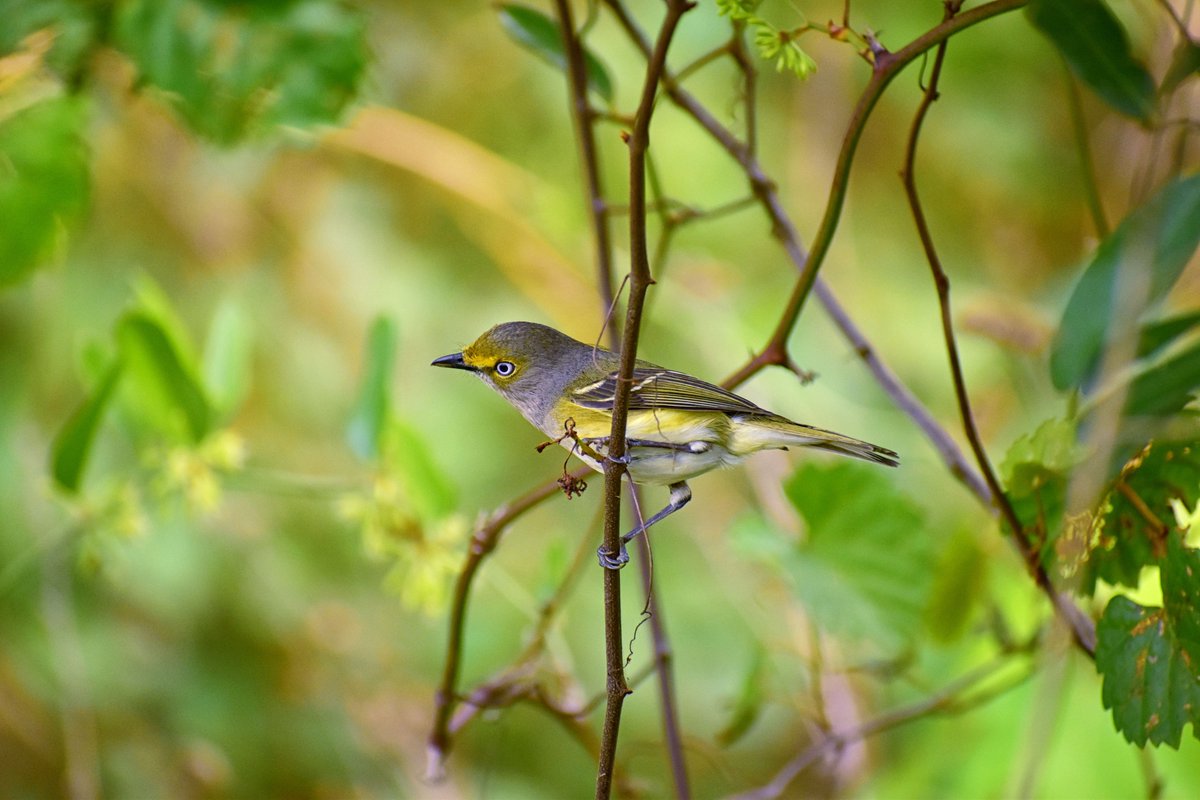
column 505, row 368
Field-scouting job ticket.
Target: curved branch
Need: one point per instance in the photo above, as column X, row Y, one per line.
column 1082, row 629
column 887, row 67
column 483, row 542
column 766, row 194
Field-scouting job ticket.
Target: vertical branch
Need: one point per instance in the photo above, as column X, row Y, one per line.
column 1081, row 627
column 640, row 280
column 665, row 673
column 584, row 118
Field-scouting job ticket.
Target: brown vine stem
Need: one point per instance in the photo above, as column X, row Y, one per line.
column 584, row 119
column 887, row 66
column 640, row 280
column 483, row 542
column 584, row 116
column 1082, row 629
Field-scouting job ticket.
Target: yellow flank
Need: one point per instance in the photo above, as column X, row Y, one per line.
column 674, row 426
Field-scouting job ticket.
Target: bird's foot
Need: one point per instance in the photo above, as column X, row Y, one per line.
column 609, row 561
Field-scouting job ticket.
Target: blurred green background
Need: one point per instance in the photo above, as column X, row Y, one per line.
column 248, row 601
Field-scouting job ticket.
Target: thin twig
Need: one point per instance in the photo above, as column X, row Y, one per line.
column 887, row 66
column 583, row 117
column 1081, row 627
column 951, row 699
column 640, row 280
column 483, row 542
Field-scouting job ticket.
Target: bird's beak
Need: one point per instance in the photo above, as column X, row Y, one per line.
column 454, row 361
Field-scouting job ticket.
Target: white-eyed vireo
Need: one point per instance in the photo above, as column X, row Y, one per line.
column 678, row 426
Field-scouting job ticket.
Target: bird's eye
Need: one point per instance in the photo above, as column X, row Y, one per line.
column 505, row 368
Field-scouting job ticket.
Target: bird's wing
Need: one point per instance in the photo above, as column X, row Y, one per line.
column 654, row 387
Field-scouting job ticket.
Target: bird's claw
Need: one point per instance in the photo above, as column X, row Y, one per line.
column 609, row 561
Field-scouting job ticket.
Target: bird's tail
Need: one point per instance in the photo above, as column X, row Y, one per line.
column 751, row 434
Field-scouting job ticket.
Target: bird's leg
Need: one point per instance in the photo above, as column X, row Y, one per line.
column 680, row 495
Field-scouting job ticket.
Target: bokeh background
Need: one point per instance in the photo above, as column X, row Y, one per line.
column 260, row 611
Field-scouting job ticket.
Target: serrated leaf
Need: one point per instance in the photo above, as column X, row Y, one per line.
column 1180, row 576
column 1137, row 508
column 863, row 570
column 1157, row 239
column 372, row 411
column 1052, row 445
column 1095, row 45
column 43, row 182
column 737, row 9
column 781, row 47
column 162, row 381
column 73, row 444
column 1034, row 472
column 1150, row 657
column 749, row 702
column 539, row 33
column 226, row 364
column 232, row 70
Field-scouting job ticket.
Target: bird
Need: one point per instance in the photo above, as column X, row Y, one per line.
column 677, row 427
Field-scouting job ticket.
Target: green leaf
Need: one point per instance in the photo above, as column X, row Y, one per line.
column 163, row 383
column 227, row 352
column 539, row 33
column 233, row 70
column 1160, row 333
column 1185, row 63
column 864, row 569
column 73, row 444
column 781, row 47
column 1128, row 539
column 958, row 585
column 738, row 9
column 1093, row 42
column 748, row 705
column 1150, row 657
column 1166, row 388
column 430, row 492
column 72, row 23
column 372, row 411
column 1035, row 472
column 1157, row 239
column 1052, row 446
column 43, row 182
